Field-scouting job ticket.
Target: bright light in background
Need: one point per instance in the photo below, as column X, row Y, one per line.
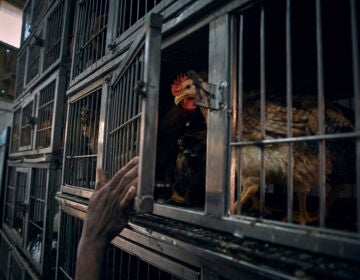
column 10, row 24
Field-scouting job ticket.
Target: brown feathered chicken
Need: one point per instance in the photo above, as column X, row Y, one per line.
column 305, row 159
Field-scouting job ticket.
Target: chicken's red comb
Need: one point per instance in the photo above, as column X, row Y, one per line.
column 176, row 87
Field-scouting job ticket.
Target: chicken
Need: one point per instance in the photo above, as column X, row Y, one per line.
column 181, row 152
column 305, row 159
column 90, row 128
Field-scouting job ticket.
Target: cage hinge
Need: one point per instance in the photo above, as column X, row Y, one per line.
column 211, row 95
column 140, row 88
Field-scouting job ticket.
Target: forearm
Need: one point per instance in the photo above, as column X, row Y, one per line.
column 90, row 258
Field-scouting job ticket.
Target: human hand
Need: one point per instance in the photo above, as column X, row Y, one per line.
column 109, row 206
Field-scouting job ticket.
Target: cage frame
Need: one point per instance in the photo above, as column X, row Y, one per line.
column 59, row 77
column 216, row 215
column 21, row 242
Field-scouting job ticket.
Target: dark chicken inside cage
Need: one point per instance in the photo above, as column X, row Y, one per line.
column 293, row 112
column 182, row 130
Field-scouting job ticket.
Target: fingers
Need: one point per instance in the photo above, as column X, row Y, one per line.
column 121, row 173
column 101, row 175
column 128, row 198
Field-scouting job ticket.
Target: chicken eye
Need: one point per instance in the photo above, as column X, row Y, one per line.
column 188, row 87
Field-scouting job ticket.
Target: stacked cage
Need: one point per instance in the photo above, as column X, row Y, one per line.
column 29, row 220
column 258, row 177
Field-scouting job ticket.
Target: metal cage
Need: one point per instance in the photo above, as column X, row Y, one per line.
column 133, row 101
column 29, row 212
column 45, row 111
column 90, row 34
column 20, row 73
column 9, row 203
column 27, row 127
column 82, row 141
column 33, row 66
column 69, row 236
column 53, row 37
column 39, row 7
column 130, row 11
column 283, row 80
column 15, row 132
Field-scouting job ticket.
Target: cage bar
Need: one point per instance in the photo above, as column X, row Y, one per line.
column 45, row 116
column 131, row 11
column 20, row 73
column 53, row 36
column 39, row 7
column 82, row 141
column 33, row 66
column 90, row 34
column 10, row 196
column 36, row 218
column 26, row 126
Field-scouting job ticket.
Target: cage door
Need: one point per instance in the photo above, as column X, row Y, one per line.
column 132, row 110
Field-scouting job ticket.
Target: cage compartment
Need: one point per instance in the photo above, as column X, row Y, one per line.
column 54, row 34
column 130, row 12
column 20, row 72
column 15, row 132
column 45, row 114
column 13, row 265
column 80, row 157
column 124, row 260
column 90, row 34
column 266, row 81
column 132, row 109
column 35, row 56
column 29, row 214
column 34, row 120
column 181, row 144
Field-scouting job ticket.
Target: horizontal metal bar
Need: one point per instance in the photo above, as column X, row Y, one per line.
column 82, row 156
column 331, row 242
column 299, row 139
column 125, row 124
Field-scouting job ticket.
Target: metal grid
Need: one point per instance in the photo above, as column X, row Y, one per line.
column 45, row 116
column 37, row 203
column 90, row 34
column 15, row 135
column 130, row 11
column 4, row 257
column 122, row 265
column 26, row 125
column 20, row 74
column 20, row 202
column 38, row 8
column 124, row 117
column 10, row 197
column 277, row 135
column 70, row 232
column 82, row 141
column 53, row 36
column 33, row 68
column 16, row 271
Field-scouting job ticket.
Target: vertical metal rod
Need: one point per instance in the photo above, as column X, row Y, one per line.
column 123, row 19
column 138, row 10
column 321, row 106
column 130, row 13
column 240, row 108
column 290, row 187
column 356, row 81
column 262, row 108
